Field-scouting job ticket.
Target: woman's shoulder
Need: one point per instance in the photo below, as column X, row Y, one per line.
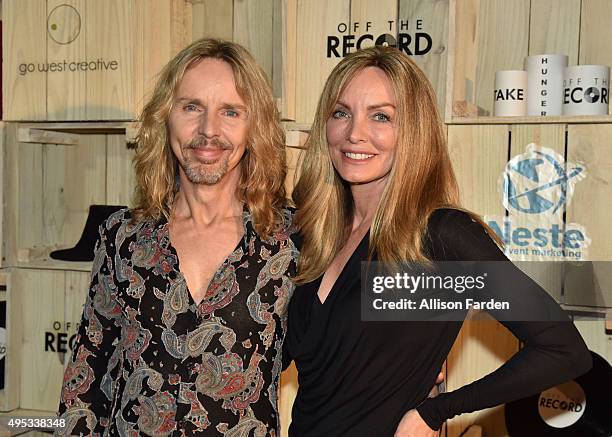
column 454, row 233
column 444, row 220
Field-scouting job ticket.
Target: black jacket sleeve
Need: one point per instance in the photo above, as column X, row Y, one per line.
column 553, row 352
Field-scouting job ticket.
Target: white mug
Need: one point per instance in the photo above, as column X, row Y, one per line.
column 586, row 90
column 545, row 84
column 509, row 96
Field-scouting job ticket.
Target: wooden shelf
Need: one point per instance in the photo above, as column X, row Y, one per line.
column 19, row 412
column 129, row 128
column 582, row 119
column 38, row 258
column 589, row 311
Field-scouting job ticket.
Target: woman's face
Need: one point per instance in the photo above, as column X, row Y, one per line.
column 361, row 132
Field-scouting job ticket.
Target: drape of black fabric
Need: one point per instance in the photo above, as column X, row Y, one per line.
column 359, row 378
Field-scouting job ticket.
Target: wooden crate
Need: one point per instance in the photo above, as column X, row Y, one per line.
column 591, row 285
column 289, row 39
column 52, row 177
column 11, row 301
column 492, row 35
column 86, row 60
column 52, row 306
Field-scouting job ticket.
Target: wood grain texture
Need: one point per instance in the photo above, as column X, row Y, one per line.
column 10, row 212
column 9, row 396
column 4, row 176
column 293, row 156
column 120, row 175
column 109, row 34
column 552, row 137
column 66, row 90
column 288, row 391
column 31, row 135
column 555, row 28
column 379, row 14
column 479, row 155
column 79, row 187
column 24, row 38
column 596, row 34
column 43, row 304
column 213, row 19
column 588, row 146
column 594, row 334
column 315, row 20
column 589, row 206
column 481, row 347
column 289, row 55
column 77, row 287
column 463, row 51
column 29, row 219
column 435, row 16
column 253, row 29
column 502, row 35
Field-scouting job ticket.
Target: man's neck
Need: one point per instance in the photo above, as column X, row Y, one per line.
column 207, row 204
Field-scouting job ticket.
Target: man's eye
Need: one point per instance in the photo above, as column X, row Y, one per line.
column 231, row 113
column 339, row 114
column 379, row 116
column 190, row 107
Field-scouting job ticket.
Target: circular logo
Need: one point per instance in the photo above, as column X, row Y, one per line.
column 537, row 181
column 563, row 405
column 64, row 24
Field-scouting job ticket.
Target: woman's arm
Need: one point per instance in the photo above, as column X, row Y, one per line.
column 553, row 352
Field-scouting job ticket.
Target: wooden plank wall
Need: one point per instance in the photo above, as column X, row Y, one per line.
column 139, row 36
column 51, row 186
column 479, row 155
column 496, row 35
column 51, row 299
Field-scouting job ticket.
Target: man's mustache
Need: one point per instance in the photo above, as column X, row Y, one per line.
column 198, row 142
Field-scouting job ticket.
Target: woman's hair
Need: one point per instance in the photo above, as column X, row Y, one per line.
column 263, row 167
column 421, row 179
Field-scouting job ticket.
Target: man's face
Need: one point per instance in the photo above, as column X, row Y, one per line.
column 208, row 123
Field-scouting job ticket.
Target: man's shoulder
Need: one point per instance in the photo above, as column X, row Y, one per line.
column 122, row 222
column 122, row 217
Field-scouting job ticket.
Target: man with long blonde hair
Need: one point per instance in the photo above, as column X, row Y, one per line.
column 192, row 350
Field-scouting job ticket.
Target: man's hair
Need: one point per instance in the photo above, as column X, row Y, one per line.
column 263, row 166
column 421, row 178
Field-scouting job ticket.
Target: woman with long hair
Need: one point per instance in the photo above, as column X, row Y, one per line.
column 376, row 183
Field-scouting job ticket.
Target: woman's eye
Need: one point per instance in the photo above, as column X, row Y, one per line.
column 339, row 114
column 379, row 116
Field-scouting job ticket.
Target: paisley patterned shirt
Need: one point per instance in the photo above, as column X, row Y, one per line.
column 149, row 361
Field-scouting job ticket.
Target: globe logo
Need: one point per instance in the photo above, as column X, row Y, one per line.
column 538, row 181
column 63, row 24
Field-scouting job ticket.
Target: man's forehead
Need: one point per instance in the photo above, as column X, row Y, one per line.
column 208, row 75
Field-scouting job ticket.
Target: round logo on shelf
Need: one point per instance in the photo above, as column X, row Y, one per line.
column 563, row 405
column 64, row 24
column 537, row 181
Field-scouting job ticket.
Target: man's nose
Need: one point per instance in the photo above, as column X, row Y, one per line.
column 208, row 124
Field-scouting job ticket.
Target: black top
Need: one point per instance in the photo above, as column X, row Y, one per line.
column 149, row 361
column 359, row 378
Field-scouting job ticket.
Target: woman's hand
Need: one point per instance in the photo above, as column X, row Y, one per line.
column 412, row 425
